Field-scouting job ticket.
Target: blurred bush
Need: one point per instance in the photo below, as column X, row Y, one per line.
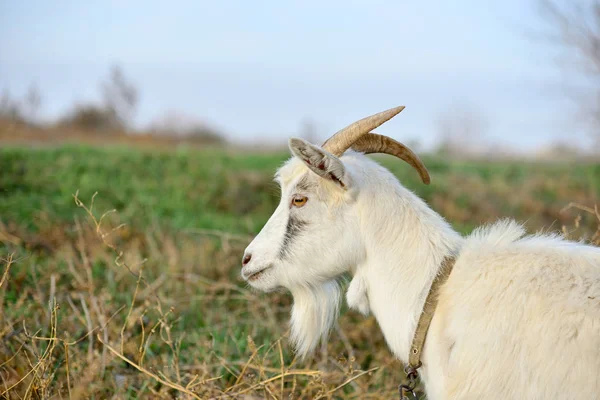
column 91, row 118
column 120, row 99
column 186, row 128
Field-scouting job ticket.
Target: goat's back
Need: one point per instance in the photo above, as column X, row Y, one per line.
column 518, row 318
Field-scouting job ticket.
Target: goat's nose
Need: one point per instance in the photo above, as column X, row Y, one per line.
column 246, row 259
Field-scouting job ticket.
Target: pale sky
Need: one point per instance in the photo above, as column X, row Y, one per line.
column 257, row 69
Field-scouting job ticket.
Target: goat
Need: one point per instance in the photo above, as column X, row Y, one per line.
column 518, row 317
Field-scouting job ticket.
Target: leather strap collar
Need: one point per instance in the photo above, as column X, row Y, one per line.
column 414, row 358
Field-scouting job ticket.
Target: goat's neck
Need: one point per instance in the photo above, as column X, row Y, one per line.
column 406, row 242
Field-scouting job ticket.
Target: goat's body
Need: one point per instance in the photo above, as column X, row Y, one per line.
column 518, row 318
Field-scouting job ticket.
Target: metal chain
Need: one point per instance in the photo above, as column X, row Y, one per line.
column 409, row 389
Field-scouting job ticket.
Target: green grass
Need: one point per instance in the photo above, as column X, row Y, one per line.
column 182, row 189
column 234, row 192
column 189, row 215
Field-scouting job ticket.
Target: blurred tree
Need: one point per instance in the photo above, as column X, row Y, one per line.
column 10, row 108
column 120, row 97
column 120, row 100
column 574, row 29
column 32, row 103
column 24, row 111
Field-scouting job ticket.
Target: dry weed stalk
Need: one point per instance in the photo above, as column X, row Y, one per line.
column 594, row 212
column 60, row 364
column 162, row 320
column 8, row 261
column 40, row 369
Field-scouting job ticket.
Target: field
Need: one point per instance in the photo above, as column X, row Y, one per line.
column 146, row 301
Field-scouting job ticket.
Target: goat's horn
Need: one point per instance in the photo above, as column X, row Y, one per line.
column 374, row 143
column 343, row 139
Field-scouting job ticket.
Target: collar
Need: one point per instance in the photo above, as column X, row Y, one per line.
column 414, row 358
column 418, row 342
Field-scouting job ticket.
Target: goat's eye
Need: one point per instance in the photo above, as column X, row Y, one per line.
column 299, row 201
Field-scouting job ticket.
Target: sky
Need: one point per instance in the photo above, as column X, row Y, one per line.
column 258, row 70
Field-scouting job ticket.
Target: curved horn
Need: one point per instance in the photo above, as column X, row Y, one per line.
column 374, row 143
column 343, row 139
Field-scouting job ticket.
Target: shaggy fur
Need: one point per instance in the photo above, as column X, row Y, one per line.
column 519, row 316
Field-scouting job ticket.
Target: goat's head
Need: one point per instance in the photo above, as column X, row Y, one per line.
column 314, row 234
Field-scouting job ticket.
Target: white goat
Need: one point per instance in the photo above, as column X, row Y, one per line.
column 519, row 316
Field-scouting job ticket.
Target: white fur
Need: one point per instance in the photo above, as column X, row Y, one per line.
column 519, row 316
column 314, row 313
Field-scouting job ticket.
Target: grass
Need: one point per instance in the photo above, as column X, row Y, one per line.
column 154, row 308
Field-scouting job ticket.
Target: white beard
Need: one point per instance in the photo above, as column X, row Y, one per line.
column 315, row 310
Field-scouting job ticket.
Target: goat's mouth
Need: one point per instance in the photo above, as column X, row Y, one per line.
column 255, row 275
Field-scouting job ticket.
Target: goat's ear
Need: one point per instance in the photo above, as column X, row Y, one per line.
column 321, row 162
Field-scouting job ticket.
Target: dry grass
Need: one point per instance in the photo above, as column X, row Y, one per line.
column 92, row 306
column 17, row 133
column 75, row 336
column 575, row 231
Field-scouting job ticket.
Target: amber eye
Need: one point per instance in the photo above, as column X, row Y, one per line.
column 299, row 201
